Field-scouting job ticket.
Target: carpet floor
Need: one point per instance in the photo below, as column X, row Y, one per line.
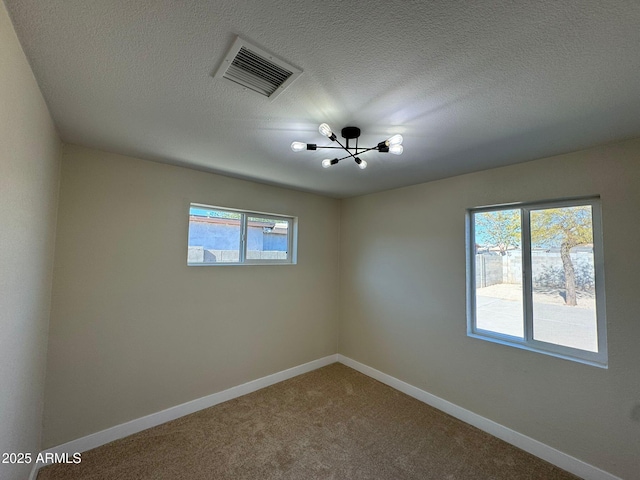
column 332, row 423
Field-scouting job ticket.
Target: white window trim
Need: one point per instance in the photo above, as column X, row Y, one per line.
column 292, row 240
column 599, row 358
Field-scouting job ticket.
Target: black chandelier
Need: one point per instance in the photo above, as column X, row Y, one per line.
column 391, row 145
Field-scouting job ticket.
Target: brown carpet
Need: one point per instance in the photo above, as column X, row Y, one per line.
column 332, row 423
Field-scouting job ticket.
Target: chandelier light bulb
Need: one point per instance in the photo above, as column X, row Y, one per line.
column 363, row 164
column 326, row 163
column 394, row 140
column 325, row 130
column 298, row 146
column 396, row 149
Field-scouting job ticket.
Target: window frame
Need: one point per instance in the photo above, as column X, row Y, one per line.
column 599, row 358
column 292, row 235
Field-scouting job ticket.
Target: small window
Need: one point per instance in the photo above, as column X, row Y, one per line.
column 223, row 236
column 536, row 280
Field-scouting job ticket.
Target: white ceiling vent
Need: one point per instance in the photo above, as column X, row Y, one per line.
column 257, row 70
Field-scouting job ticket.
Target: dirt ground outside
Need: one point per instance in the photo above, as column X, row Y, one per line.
column 499, row 309
column 513, row 291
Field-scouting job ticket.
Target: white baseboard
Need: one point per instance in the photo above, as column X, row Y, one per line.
column 528, row 444
column 539, row 449
column 134, row 426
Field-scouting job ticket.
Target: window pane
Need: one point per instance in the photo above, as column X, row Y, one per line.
column 214, row 236
column 562, row 263
column 498, row 267
column 267, row 238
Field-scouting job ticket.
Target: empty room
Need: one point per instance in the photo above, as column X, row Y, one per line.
column 319, row 240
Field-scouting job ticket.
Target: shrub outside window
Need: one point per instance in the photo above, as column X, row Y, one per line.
column 224, row 236
column 536, row 278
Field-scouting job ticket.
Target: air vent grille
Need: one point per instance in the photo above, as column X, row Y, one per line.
column 256, row 73
column 257, row 70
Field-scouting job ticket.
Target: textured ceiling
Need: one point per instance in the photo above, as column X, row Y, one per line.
column 470, row 85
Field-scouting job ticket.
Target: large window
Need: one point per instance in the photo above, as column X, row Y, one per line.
column 223, row 236
column 535, row 278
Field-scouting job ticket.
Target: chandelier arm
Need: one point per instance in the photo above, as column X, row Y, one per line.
column 357, row 152
column 363, row 150
column 358, row 149
column 346, row 149
column 344, row 158
column 351, row 155
column 343, row 147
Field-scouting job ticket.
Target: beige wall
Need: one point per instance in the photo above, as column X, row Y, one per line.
column 403, row 304
column 134, row 330
column 29, row 171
